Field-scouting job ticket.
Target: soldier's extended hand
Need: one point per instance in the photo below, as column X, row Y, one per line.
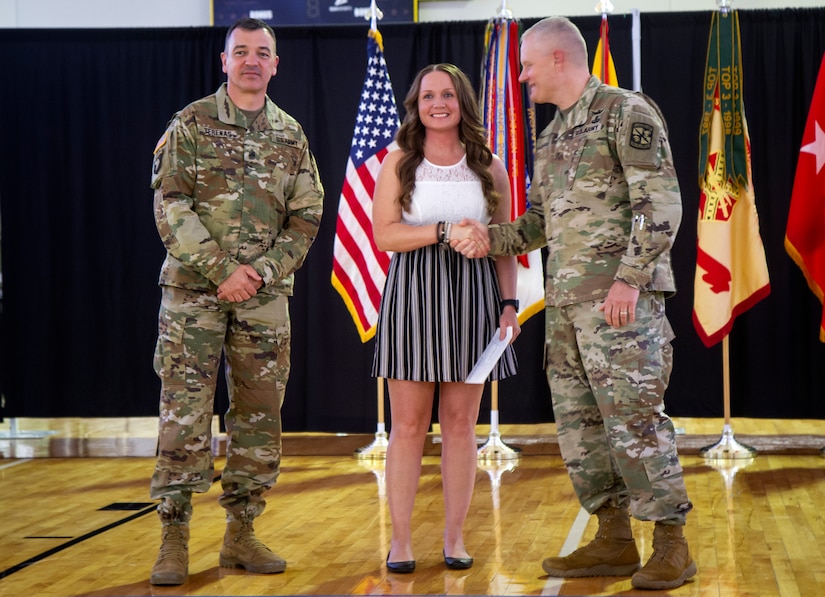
column 620, row 305
column 470, row 238
column 241, row 285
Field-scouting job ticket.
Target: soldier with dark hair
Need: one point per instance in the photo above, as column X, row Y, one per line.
column 605, row 201
column 238, row 203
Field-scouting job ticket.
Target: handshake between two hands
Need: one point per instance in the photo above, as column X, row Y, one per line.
column 470, row 238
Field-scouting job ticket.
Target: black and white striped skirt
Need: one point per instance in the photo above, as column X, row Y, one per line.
column 439, row 311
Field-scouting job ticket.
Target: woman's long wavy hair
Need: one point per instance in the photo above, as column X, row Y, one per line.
column 471, row 133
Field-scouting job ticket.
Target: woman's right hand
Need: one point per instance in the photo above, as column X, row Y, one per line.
column 469, row 237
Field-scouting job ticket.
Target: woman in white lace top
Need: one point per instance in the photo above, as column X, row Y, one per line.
column 439, row 308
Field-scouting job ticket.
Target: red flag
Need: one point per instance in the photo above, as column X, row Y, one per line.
column 731, row 271
column 359, row 269
column 805, row 233
column 603, row 66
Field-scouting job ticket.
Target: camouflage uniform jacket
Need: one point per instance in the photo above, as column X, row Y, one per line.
column 604, row 199
column 231, row 192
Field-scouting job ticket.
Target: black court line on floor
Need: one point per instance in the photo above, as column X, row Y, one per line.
column 40, row 557
column 33, row 560
column 126, row 506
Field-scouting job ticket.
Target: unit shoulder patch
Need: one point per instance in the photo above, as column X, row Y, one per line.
column 161, row 142
column 640, row 139
column 641, row 135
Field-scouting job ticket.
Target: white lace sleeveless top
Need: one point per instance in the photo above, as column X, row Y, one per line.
column 445, row 193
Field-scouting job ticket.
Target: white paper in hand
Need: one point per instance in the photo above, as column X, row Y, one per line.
column 490, row 356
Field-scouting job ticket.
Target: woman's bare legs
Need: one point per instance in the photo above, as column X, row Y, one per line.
column 457, row 415
column 411, row 404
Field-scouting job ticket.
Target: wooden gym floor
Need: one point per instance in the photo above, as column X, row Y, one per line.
column 77, row 519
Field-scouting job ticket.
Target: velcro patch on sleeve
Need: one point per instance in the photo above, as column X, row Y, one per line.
column 641, row 138
column 641, row 135
column 161, row 141
column 160, row 160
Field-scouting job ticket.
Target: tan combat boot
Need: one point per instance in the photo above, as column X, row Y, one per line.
column 611, row 553
column 670, row 565
column 242, row 549
column 172, row 565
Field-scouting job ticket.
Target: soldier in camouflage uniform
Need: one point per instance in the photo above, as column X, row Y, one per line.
column 238, row 204
column 605, row 201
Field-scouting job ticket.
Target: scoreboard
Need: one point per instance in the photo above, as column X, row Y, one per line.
column 312, row 12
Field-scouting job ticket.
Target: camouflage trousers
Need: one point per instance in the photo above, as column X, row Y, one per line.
column 194, row 328
column 607, row 387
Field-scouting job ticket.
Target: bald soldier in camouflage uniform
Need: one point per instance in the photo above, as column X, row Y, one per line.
column 238, row 204
column 605, row 201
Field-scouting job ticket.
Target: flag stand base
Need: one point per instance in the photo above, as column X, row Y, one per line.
column 377, row 450
column 495, row 449
column 728, row 448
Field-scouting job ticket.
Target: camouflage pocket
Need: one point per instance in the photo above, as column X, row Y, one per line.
column 170, row 356
column 629, row 349
column 661, row 468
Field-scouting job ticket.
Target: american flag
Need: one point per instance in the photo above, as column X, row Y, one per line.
column 359, row 269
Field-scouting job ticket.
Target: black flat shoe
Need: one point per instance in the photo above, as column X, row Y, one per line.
column 458, row 563
column 400, row 567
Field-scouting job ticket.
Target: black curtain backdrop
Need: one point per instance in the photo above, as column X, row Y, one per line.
column 83, row 110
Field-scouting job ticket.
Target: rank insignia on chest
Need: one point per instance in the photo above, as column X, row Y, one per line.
column 641, row 135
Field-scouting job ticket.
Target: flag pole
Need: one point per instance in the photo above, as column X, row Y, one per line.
column 604, row 7
column 377, row 450
column 375, row 15
column 494, row 449
column 727, row 447
column 637, row 50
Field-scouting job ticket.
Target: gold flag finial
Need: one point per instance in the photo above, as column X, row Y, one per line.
column 604, row 7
